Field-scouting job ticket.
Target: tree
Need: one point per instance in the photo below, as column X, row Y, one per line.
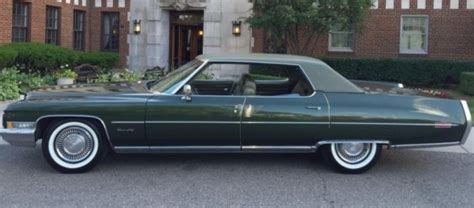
column 297, row 25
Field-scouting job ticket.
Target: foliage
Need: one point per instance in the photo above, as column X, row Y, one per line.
column 467, row 83
column 43, row 58
column 412, row 72
column 101, row 59
column 13, row 82
column 265, row 77
column 107, row 77
column 298, row 24
column 7, row 56
column 65, row 73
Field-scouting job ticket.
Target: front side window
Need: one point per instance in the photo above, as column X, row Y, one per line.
column 173, row 80
column 79, row 25
column 414, row 35
column 110, row 31
column 341, row 39
column 251, row 80
column 52, row 25
column 20, row 22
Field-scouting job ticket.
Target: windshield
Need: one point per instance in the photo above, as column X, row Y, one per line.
column 170, row 82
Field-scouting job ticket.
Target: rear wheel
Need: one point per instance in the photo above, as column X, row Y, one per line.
column 352, row 157
column 73, row 146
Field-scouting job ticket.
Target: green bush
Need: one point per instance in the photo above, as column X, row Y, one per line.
column 413, row 72
column 7, row 57
column 12, row 82
column 40, row 57
column 467, row 83
column 104, row 60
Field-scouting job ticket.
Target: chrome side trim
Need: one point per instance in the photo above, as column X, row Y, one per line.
column 467, row 113
column 284, row 122
column 192, row 122
column 127, row 122
column 393, row 124
column 19, row 137
column 177, row 149
column 278, row 149
column 324, row 142
column 80, row 116
column 426, row 145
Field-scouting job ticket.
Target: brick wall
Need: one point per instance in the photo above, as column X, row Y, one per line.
column 451, row 33
column 67, row 8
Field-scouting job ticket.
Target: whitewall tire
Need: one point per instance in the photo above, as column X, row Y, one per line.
column 73, row 146
column 352, row 157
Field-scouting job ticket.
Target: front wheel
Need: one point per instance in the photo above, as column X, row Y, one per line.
column 73, row 146
column 352, row 157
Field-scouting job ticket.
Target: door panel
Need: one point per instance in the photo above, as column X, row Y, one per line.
column 284, row 121
column 203, row 121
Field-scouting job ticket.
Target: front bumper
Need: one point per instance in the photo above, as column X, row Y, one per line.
column 19, row 137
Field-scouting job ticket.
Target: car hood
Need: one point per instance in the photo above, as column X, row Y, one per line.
column 88, row 89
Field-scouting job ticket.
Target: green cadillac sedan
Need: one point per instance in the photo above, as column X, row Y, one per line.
column 233, row 103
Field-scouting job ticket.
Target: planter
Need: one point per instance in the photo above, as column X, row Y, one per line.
column 65, row 81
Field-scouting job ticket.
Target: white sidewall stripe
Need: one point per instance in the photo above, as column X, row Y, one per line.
column 54, row 155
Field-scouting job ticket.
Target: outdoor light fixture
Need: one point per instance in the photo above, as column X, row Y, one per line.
column 236, row 27
column 137, row 26
column 200, row 32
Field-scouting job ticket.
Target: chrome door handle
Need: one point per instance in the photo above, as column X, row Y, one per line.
column 314, row 108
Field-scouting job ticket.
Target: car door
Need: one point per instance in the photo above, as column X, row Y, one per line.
column 209, row 119
column 203, row 122
column 293, row 121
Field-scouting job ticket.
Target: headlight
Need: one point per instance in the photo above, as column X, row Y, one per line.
column 21, row 125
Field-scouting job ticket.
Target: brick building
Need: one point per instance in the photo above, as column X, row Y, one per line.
column 77, row 24
column 174, row 31
column 439, row 29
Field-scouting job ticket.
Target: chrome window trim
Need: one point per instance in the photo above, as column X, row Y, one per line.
column 207, row 61
column 468, row 115
column 80, row 116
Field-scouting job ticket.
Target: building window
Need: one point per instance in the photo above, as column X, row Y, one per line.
column 79, row 25
column 414, row 35
column 341, row 39
column 110, row 31
column 52, row 25
column 20, row 22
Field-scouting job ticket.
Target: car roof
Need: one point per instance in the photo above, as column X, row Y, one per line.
column 259, row 57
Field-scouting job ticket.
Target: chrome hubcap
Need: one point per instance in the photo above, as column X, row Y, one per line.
column 353, row 152
column 74, row 144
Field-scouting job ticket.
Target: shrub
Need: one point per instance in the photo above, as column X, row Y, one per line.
column 467, row 83
column 9, row 88
column 42, row 57
column 7, row 56
column 65, row 73
column 104, row 60
column 413, row 72
column 118, row 77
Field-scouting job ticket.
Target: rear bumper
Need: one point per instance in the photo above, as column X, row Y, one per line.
column 468, row 115
column 19, row 137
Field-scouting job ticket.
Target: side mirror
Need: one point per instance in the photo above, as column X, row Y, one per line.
column 188, row 91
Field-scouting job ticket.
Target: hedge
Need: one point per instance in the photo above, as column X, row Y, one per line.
column 40, row 57
column 7, row 56
column 412, row 72
column 467, row 82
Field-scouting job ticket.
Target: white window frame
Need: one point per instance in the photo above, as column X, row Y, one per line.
column 340, row 49
column 427, row 24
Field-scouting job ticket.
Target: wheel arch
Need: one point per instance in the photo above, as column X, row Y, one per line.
column 44, row 121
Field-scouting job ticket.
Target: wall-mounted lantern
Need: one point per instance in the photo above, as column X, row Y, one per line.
column 137, row 26
column 201, row 33
column 236, row 27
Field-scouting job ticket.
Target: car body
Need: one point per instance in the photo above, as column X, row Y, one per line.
column 236, row 107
